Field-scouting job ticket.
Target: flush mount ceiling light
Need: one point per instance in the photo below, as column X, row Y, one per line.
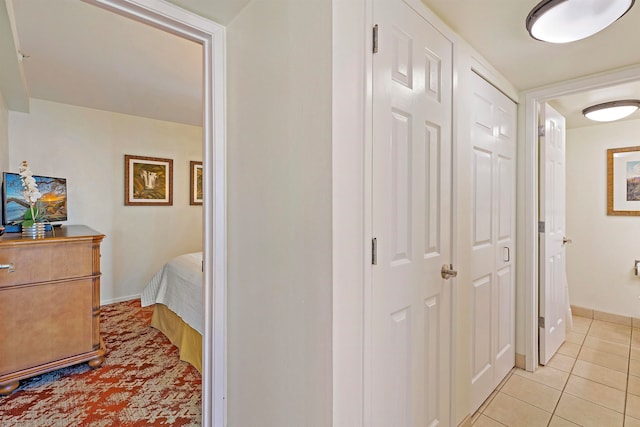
column 611, row 111
column 564, row 21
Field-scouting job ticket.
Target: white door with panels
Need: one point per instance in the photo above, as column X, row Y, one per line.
column 408, row 336
column 552, row 271
column 493, row 141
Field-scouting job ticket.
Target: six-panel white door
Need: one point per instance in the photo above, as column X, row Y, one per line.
column 552, row 273
column 408, row 343
column 493, row 141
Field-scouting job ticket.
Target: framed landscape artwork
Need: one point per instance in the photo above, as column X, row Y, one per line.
column 195, row 183
column 148, row 181
column 623, row 181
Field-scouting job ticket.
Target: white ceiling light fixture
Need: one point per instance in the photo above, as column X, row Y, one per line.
column 564, row 21
column 611, row 111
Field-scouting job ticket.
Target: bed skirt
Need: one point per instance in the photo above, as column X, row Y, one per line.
column 183, row 336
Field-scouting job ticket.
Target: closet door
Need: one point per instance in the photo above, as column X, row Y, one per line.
column 493, row 142
column 408, row 347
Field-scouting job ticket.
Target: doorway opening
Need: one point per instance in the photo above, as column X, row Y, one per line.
column 530, row 158
column 211, row 36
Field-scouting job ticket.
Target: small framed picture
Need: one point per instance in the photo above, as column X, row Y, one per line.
column 195, row 183
column 148, row 181
column 623, row 181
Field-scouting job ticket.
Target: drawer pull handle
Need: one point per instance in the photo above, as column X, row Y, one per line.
column 7, row 267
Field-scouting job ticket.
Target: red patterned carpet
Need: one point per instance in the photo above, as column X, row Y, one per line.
column 141, row 382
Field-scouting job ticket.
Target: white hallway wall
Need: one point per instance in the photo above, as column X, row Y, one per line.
column 279, row 214
column 601, row 258
column 87, row 147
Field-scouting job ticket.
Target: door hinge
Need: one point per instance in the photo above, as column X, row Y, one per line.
column 374, row 251
column 541, row 131
column 540, row 226
column 541, row 322
column 375, row 38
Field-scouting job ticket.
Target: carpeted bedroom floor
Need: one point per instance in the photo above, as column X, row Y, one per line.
column 141, row 382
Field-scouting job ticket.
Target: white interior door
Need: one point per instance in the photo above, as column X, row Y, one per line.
column 493, row 141
column 409, row 352
column 552, row 273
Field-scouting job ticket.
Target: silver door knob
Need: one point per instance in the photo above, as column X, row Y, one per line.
column 447, row 271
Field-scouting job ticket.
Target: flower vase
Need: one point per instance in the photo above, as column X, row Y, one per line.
column 37, row 230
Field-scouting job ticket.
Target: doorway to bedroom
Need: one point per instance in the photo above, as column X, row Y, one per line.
column 212, row 38
column 136, row 235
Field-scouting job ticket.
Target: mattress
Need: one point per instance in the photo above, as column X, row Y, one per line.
column 178, row 286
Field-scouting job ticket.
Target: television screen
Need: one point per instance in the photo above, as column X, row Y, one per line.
column 52, row 205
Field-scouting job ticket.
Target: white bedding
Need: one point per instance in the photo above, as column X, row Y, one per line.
column 178, row 285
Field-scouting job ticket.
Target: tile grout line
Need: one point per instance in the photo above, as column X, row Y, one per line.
column 626, row 394
column 569, row 377
column 498, row 390
column 493, row 419
column 563, row 391
column 493, row 395
column 628, row 373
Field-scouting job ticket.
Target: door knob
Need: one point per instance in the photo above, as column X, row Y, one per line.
column 448, row 272
column 565, row 240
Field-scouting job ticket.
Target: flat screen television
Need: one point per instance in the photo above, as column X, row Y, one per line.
column 52, row 204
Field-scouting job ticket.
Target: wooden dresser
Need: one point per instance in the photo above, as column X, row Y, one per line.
column 49, row 303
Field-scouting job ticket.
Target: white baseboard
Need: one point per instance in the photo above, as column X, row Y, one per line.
column 120, row 299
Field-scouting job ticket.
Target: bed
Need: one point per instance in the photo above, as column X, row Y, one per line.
column 176, row 293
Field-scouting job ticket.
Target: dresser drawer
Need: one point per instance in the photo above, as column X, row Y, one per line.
column 34, row 263
column 45, row 322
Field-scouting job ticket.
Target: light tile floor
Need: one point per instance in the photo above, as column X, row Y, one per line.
column 593, row 380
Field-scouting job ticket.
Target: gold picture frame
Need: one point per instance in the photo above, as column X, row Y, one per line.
column 623, row 181
column 195, row 183
column 148, row 181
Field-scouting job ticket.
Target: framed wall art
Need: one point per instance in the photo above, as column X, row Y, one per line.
column 148, row 181
column 623, row 181
column 195, row 183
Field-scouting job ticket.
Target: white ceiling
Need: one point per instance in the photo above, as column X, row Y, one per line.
column 496, row 29
column 78, row 54
column 83, row 55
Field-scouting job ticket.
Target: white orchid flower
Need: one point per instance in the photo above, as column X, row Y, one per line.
column 30, row 188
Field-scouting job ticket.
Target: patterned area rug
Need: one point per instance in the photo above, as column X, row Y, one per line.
column 142, row 382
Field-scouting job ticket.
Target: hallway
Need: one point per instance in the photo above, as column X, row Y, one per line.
column 593, row 380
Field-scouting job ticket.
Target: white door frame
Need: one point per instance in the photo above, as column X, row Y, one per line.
column 211, row 36
column 532, row 100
